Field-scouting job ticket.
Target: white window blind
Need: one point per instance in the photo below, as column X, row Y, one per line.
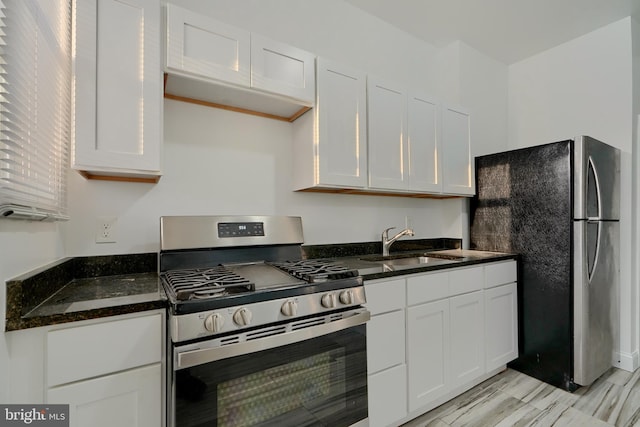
column 35, row 108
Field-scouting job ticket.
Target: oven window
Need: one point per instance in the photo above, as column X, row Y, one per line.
column 321, row 381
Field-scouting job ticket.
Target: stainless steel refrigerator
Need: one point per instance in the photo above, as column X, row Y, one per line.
column 558, row 206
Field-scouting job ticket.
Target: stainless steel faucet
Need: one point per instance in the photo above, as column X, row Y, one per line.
column 386, row 242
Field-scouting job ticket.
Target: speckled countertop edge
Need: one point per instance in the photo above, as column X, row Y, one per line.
column 28, row 291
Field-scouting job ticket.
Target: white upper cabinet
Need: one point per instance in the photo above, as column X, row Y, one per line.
column 330, row 142
column 404, row 141
column 204, row 47
column 212, row 63
column 118, row 89
column 387, row 119
column 280, row 68
column 458, row 169
column 425, row 173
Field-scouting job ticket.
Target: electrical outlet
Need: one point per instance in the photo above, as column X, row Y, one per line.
column 106, row 229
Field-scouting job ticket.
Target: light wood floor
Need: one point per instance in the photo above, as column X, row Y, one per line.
column 514, row 399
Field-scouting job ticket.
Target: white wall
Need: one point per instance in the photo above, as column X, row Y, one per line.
column 584, row 87
column 635, row 255
column 23, row 247
column 470, row 78
column 218, row 162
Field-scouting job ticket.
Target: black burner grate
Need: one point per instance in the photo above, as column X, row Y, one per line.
column 316, row 270
column 203, row 283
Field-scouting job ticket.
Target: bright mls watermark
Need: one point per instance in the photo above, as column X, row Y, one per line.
column 34, row 415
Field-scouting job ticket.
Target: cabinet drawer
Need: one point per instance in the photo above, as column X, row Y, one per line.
column 500, row 273
column 94, row 350
column 385, row 341
column 465, row 280
column 385, row 296
column 428, row 287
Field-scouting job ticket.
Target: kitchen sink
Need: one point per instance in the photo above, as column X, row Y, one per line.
column 411, row 259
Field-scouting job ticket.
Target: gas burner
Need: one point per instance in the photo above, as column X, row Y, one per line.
column 316, row 270
column 202, row 283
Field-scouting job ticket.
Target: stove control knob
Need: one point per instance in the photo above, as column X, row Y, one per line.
column 328, row 300
column 289, row 308
column 214, row 322
column 346, row 297
column 242, row 317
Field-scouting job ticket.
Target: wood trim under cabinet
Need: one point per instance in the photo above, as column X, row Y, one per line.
column 290, row 119
column 146, row 180
column 378, row 193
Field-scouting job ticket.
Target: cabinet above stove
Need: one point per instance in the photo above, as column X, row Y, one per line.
column 211, row 63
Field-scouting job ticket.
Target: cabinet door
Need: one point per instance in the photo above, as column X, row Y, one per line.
column 118, row 87
column 467, row 337
column 282, row 69
column 127, row 399
column 204, row 47
column 501, row 327
column 385, row 341
column 428, row 352
column 387, row 118
column 457, row 161
column 341, row 151
column 387, row 393
column 424, row 144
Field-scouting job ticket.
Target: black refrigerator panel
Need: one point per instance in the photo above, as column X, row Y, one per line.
column 524, row 205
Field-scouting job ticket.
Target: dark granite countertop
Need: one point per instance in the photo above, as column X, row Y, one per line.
column 359, row 256
column 442, row 259
column 83, row 288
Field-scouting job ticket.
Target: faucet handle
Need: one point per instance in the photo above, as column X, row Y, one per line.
column 385, row 233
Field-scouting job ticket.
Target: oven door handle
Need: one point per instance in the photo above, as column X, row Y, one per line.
column 189, row 358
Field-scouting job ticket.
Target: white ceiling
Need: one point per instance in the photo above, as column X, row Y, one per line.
column 507, row 30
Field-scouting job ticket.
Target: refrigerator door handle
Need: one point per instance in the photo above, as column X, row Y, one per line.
column 591, row 169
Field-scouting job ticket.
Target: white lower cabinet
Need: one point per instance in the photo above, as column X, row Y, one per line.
column 385, row 341
column 467, row 337
column 461, row 327
column 501, row 325
column 387, row 396
column 386, row 368
column 126, row 399
column 428, row 352
column 109, row 372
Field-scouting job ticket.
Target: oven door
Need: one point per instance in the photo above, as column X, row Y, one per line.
column 312, row 374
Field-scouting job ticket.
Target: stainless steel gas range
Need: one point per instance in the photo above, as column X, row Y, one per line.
column 260, row 336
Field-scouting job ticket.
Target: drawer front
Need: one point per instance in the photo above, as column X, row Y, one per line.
column 385, row 296
column 89, row 351
column 428, row 287
column 465, row 280
column 500, row 273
